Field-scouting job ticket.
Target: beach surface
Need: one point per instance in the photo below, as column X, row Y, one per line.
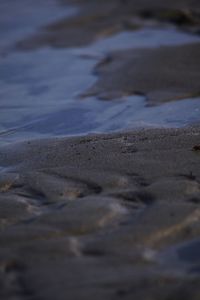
column 100, row 150
column 106, row 216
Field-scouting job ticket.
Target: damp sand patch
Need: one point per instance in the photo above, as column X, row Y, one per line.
column 161, row 74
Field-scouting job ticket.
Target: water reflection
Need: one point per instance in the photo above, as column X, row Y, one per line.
column 183, row 257
column 92, row 116
column 39, row 90
column 21, row 18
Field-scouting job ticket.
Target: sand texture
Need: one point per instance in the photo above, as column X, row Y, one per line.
column 162, row 74
column 101, row 216
column 98, row 216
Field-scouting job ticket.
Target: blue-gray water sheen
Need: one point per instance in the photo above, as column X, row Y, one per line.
column 40, row 89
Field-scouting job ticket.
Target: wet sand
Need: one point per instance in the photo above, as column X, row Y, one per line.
column 116, row 215
column 94, row 216
column 161, row 75
column 99, row 19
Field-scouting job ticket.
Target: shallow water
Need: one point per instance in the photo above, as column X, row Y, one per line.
column 21, row 18
column 183, row 257
column 96, row 117
column 152, row 37
column 39, row 90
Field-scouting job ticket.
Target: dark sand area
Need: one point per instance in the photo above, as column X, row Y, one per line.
column 116, row 215
column 97, row 217
column 98, row 19
column 162, row 74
